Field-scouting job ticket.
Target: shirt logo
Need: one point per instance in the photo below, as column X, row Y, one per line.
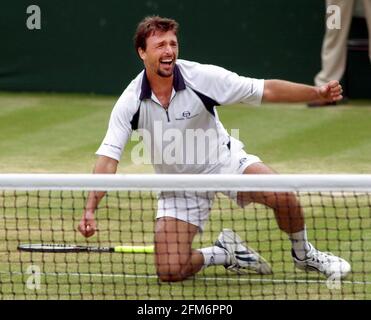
column 187, row 115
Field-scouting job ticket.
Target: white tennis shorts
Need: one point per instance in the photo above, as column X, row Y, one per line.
column 194, row 207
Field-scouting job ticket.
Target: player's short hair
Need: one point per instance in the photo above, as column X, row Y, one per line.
column 149, row 25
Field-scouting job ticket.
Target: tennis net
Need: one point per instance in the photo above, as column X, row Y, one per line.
column 46, row 209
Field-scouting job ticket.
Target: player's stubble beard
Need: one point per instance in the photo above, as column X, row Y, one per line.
column 166, row 74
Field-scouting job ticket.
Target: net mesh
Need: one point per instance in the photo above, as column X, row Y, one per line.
column 338, row 222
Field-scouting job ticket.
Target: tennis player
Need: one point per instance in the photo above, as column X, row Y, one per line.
column 180, row 96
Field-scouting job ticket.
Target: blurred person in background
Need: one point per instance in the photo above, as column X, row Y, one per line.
column 334, row 46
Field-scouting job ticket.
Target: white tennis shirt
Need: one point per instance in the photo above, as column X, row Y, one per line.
column 187, row 137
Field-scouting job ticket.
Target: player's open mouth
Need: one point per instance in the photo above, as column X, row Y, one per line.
column 167, row 62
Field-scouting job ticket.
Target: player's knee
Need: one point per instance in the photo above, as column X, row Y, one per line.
column 171, row 277
column 172, row 267
column 171, row 272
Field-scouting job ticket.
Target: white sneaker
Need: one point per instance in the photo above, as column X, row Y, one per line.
column 242, row 258
column 323, row 262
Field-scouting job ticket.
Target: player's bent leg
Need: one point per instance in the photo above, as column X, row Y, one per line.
column 286, row 206
column 174, row 258
column 290, row 218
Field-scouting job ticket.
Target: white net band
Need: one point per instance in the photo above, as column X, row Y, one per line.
column 186, row 182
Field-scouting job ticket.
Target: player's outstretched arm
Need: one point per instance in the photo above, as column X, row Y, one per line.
column 285, row 91
column 87, row 226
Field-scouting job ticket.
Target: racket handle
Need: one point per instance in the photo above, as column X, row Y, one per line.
column 134, row 249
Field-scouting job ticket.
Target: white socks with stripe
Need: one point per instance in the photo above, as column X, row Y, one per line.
column 214, row 256
column 300, row 244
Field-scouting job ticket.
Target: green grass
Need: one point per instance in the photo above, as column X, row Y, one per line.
column 57, row 133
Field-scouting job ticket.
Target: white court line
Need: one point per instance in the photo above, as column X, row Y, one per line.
column 215, row 279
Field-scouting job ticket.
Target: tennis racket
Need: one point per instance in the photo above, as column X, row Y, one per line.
column 78, row 248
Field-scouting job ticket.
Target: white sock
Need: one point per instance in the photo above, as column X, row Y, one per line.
column 214, row 256
column 300, row 243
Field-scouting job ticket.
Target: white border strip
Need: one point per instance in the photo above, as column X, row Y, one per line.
column 188, row 182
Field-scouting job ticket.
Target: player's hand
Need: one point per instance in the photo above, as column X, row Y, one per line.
column 87, row 226
column 331, row 91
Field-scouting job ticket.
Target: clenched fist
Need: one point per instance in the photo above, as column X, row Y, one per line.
column 331, row 91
